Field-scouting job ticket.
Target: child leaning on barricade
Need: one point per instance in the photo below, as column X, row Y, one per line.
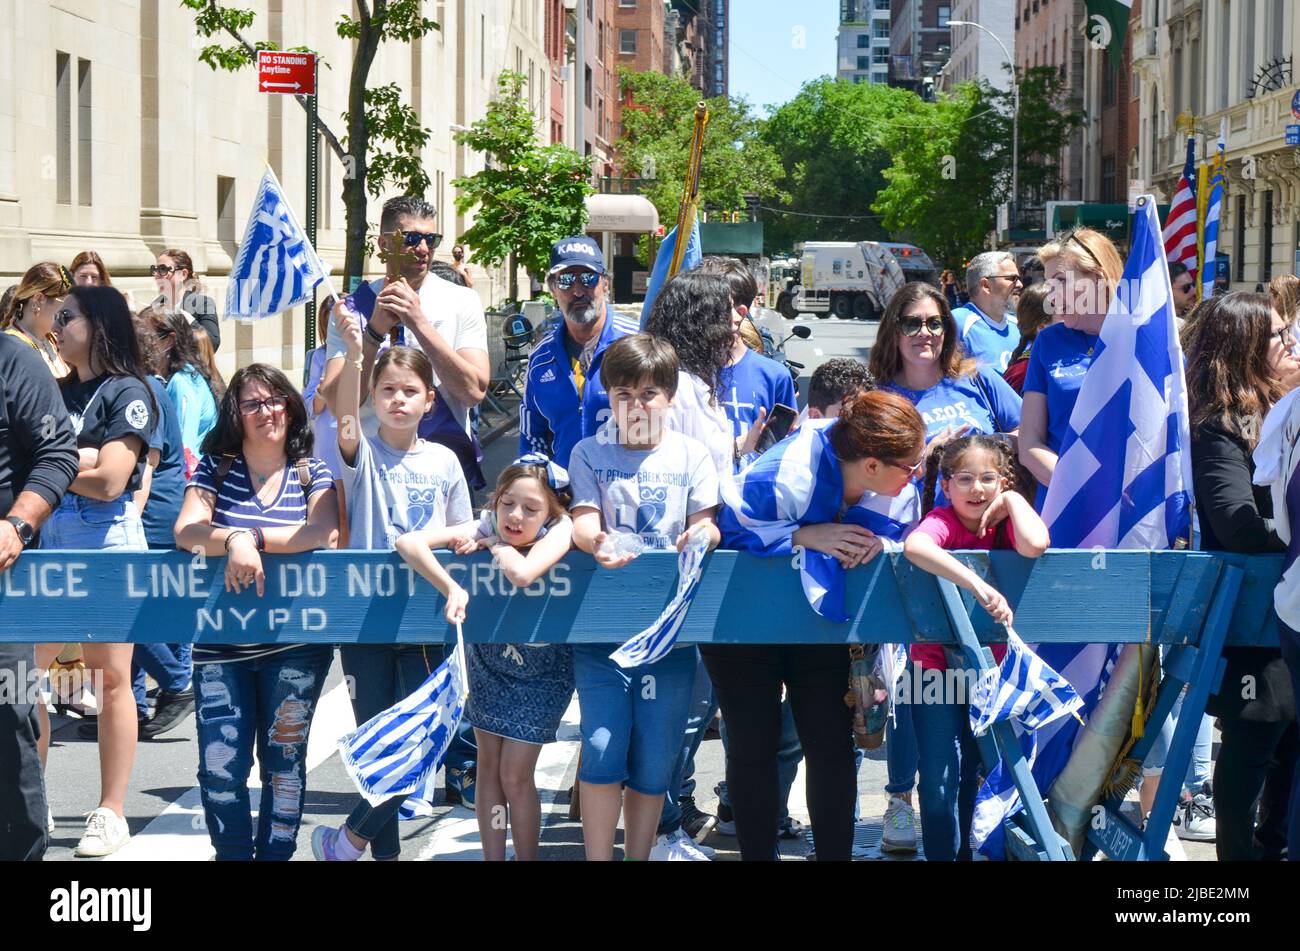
column 517, row 692
column 982, row 511
column 635, row 484
column 395, row 482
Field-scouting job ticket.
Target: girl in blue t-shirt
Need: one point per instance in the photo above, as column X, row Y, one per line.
column 1083, row 271
column 193, row 391
column 257, row 489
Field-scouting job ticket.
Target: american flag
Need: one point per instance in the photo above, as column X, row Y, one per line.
column 1180, row 226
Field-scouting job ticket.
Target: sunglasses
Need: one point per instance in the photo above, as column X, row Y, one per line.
column 63, row 318
column 413, row 238
column 275, row 404
column 911, row 326
column 1186, row 288
column 159, row 270
column 588, row 279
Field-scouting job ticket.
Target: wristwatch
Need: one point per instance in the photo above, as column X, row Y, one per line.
column 25, row 532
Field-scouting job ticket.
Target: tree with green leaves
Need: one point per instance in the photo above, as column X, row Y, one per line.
column 529, row 195
column 831, row 139
column 658, row 128
column 384, row 138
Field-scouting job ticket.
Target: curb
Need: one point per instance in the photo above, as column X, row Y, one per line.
column 497, row 431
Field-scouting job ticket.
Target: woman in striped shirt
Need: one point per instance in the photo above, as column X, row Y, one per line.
column 257, row 490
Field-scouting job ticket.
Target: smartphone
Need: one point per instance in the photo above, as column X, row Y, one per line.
column 779, row 422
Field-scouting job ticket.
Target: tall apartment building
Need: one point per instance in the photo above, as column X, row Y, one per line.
column 1051, row 34
column 115, row 138
column 641, row 44
column 920, row 43
column 697, row 33
column 976, row 54
column 1214, row 66
column 863, row 41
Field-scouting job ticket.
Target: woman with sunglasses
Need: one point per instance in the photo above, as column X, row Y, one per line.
column 1083, row 271
column 30, row 313
column 113, row 414
column 257, row 490
column 179, row 288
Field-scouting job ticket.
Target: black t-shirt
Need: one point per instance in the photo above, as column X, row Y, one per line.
column 108, row 408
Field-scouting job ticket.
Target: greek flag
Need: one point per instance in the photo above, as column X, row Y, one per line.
column 798, row 482
column 659, row 273
column 1023, row 689
column 658, row 639
column 1213, row 211
column 397, row 752
column 276, row 267
column 1108, row 492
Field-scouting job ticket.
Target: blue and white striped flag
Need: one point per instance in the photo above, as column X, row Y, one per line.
column 1213, row 211
column 664, row 259
column 798, row 481
column 397, row 752
column 658, row 639
column 1022, row 688
column 276, row 267
column 1108, row 492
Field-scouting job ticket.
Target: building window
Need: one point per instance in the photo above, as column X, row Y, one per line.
column 880, row 56
column 880, row 30
column 63, row 125
column 1107, row 81
column 882, row 5
column 1108, row 178
column 85, row 176
column 1240, row 241
column 627, row 41
column 945, row 13
column 863, row 41
column 627, row 3
column 226, row 209
column 586, row 85
column 1266, row 240
column 864, row 62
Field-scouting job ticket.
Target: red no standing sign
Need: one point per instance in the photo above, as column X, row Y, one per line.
column 286, row 73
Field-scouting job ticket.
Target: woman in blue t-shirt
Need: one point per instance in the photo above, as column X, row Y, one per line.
column 1083, row 271
column 257, row 489
column 193, row 391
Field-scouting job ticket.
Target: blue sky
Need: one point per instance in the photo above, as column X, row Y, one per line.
column 778, row 45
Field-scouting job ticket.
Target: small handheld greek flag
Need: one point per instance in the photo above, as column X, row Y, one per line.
column 1023, row 688
column 658, row 639
column 276, row 267
column 397, row 752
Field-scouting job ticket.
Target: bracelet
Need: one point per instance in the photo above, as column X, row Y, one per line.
column 374, row 334
column 236, row 532
column 359, row 363
column 259, row 538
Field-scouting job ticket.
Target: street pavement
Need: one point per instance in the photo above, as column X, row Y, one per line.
column 162, row 804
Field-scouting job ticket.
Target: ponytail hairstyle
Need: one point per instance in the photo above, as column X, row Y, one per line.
column 557, row 499
column 945, row 459
column 877, row 424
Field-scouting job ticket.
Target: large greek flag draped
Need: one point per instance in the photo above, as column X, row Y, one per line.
column 276, row 267
column 397, row 752
column 1122, row 480
column 798, row 482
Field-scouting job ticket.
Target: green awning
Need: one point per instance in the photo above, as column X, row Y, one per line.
column 1111, row 219
column 744, row 237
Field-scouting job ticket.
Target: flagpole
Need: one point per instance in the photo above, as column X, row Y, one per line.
column 329, row 285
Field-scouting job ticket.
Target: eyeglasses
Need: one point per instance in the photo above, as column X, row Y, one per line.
column 159, row 270
column 63, row 317
column 1186, row 288
column 565, row 281
column 911, row 326
column 275, row 404
column 966, row 480
column 1283, row 336
column 912, row 471
column 1013, row 278
column 413, row 238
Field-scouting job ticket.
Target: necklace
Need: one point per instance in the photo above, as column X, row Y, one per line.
column 263, row 479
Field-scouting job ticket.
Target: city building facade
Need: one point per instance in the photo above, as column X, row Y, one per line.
column 1051, row 34
column 863, row 41
column 976, row 54
column 115, row 138
column 920, row 43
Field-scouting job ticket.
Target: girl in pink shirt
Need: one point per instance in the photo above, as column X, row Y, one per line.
column 983, row 511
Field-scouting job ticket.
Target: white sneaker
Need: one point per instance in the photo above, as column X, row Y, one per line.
column 106, row 832
column 50, row 826
column 1194, row 819
column 677, row 847
column 900, row 826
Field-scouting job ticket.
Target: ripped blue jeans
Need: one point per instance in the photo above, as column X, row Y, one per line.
column 267, row 702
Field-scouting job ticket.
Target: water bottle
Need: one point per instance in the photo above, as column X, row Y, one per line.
column 621, row 544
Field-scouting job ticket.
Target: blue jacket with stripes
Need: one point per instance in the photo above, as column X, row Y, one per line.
column 552, row 418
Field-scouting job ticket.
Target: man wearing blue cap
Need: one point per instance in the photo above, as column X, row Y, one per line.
column 564, row 400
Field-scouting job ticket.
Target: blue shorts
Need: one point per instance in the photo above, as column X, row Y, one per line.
column 633, row 721
column 86, row 524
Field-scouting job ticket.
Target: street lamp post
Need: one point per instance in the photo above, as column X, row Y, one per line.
column 1015, row 113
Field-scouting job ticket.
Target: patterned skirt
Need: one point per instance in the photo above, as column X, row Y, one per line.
column 519, row 691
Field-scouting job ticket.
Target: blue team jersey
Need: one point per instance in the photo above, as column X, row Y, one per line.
column 986, row 342
column 1058, row 362
column 754, row 381
column 986, row 405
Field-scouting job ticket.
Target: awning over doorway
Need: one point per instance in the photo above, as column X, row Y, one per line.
column 621, row 213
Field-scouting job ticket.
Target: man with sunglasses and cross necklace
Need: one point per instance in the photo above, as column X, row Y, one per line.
column 421, row 310
column 564, row 400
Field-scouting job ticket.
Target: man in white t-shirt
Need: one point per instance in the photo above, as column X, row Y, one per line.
column 442, row 319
